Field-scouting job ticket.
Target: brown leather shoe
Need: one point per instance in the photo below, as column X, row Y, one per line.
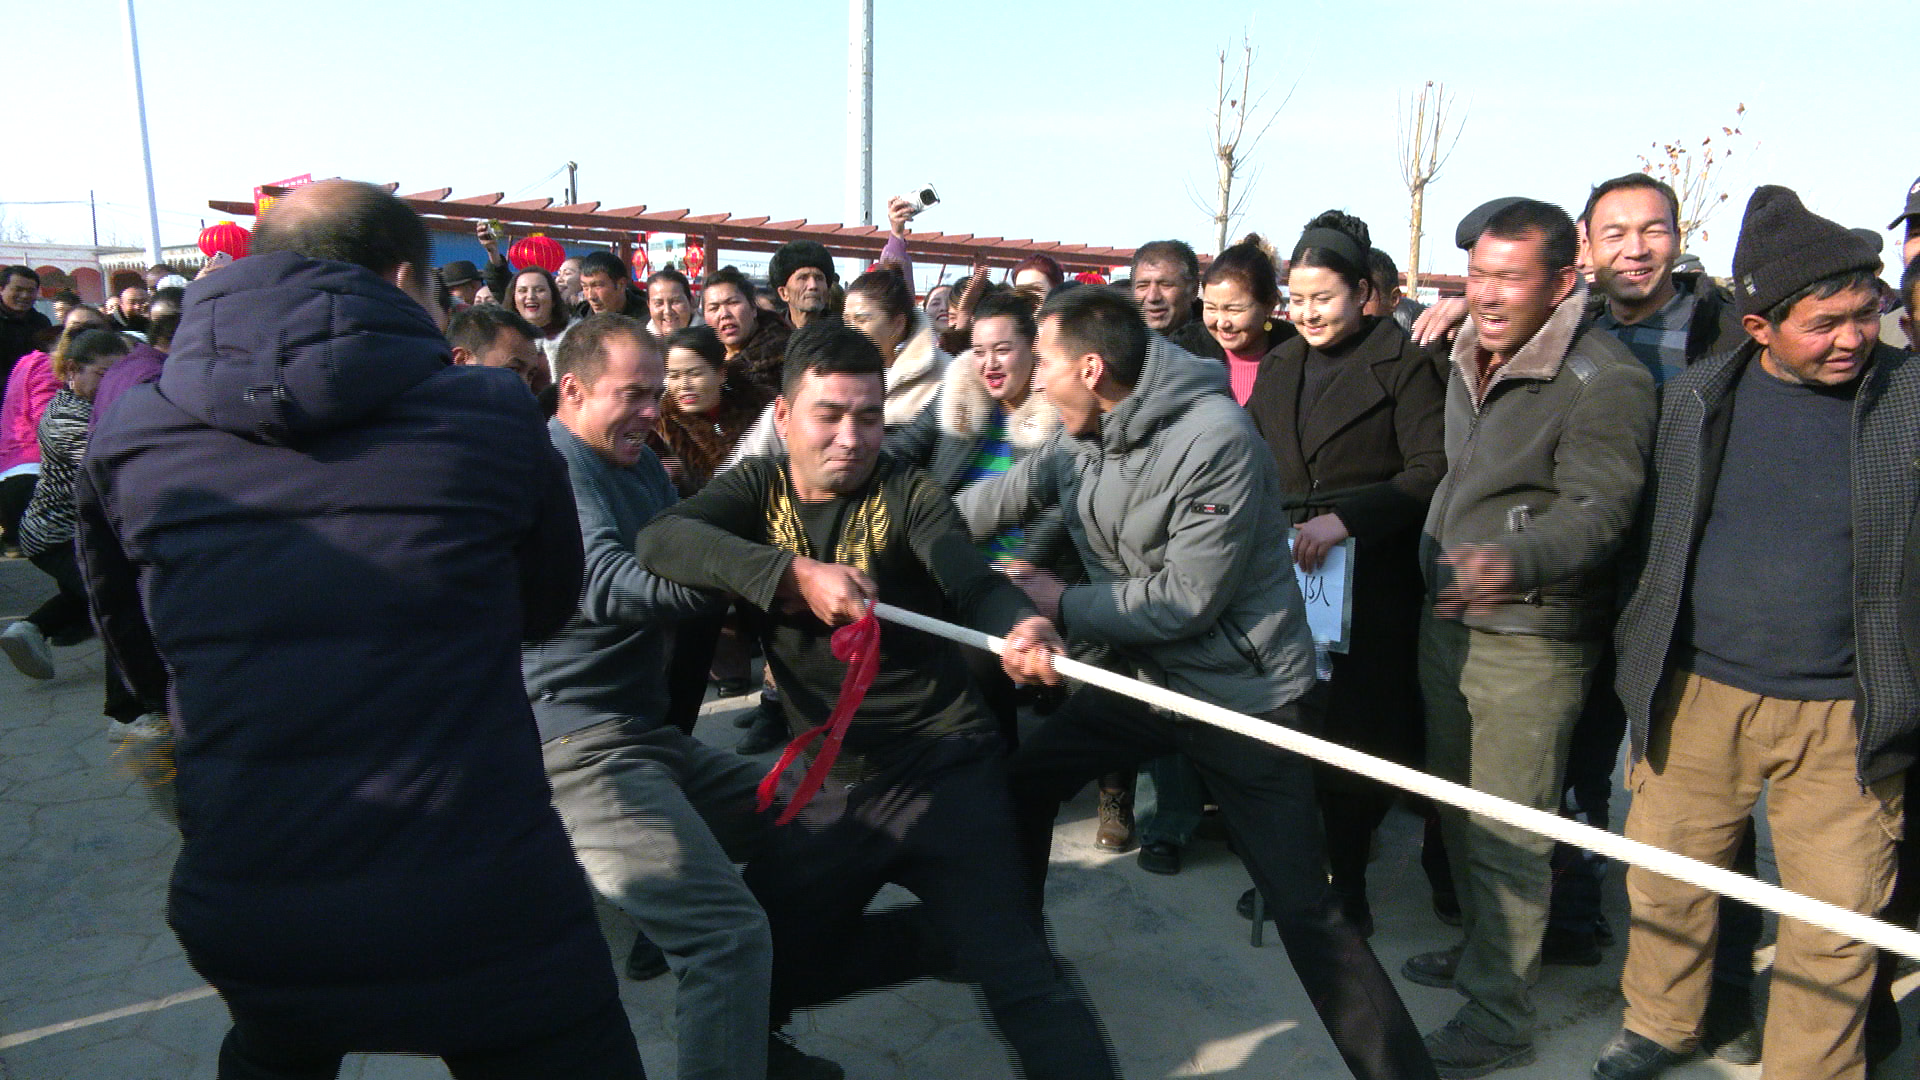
column 1116, row 821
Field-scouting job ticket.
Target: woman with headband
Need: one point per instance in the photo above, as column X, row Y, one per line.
column 1352, row 410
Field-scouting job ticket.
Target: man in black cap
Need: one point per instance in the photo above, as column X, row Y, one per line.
column 463, row 280
column 1548, row 426
column 1767, row 643
column 802, row 275
column 1910, row 248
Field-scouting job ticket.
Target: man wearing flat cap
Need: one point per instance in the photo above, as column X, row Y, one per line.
column 1548, row 424
column 1769, row 644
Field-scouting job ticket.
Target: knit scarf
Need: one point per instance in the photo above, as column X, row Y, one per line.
column 857, row 643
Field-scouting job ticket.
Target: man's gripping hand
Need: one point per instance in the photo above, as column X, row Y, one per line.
column 836, row 594
column 1031, row 646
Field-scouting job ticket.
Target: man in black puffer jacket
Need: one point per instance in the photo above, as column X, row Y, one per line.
column 321, row 545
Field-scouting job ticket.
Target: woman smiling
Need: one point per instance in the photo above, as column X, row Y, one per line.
column 1352, row 412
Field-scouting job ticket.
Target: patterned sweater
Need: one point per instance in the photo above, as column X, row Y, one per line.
column 48, row 522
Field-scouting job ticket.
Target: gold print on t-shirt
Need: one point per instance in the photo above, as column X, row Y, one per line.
column 866, row 530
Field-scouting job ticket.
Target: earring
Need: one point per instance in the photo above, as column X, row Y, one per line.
column 1269, row 327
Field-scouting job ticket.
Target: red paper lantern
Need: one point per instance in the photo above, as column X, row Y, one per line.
column 696, row 260
column 1090, row 277
column 225, row 237
column 642, row 261
column 538, row 250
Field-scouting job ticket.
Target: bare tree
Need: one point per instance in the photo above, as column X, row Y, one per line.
column 1236, row 112
column 13, row 230
column 1425, row 146
column 1694, row 173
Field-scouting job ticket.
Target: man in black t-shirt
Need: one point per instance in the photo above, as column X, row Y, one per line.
column 918, row 797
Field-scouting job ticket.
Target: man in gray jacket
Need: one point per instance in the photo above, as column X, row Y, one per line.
column 657, row 818
column 1548, row 429
column 1169, row 493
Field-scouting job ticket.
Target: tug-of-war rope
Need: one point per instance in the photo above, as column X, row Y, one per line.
column 1760, row 894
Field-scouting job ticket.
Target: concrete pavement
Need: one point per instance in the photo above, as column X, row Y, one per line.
column 92, row 984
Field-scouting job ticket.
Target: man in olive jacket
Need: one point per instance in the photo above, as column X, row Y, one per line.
column 1548, row 425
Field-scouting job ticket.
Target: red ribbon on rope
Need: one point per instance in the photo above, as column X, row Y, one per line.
column 858, row 644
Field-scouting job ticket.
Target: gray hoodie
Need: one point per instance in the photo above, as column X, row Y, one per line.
column 1175, row 509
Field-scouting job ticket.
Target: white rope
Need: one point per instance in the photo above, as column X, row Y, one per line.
column 1760, row 894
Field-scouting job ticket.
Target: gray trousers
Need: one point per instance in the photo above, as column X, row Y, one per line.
column 1500, row 715
column 659, row 820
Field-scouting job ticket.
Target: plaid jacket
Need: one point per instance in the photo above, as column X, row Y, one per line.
column 1694, row 415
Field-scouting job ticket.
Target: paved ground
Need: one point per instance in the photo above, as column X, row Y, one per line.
column 92, row 985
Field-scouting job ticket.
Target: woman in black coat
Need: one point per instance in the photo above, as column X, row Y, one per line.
column 1352, row 411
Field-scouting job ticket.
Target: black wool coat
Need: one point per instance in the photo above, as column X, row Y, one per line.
column 1372, row 451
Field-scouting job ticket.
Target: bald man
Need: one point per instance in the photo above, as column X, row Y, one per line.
column 336, row 541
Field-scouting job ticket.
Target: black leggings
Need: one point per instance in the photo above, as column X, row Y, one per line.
column 16, row 492
column 64, row 613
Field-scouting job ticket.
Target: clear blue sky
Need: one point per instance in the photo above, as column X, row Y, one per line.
column 1063, row 121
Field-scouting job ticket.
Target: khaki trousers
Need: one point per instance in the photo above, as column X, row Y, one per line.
column 1711, row 752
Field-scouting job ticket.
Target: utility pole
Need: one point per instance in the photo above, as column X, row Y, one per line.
column 573, row 183
column 859, row 112
column 146, row 149
column 93, row 213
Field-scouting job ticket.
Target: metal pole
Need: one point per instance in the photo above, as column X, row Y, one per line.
column 93, row 213
column 859, row 112
column 573, row 183
column 146, row 149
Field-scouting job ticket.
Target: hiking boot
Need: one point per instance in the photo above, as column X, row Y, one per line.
column 785, row 1061
column 144, row 748
column 1632, row 1056
column 27, row 647
column 1116, row 821
column 1434, row 968
column 645, row 960
column 1461, row 1053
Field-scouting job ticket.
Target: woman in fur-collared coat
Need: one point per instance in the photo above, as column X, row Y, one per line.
column 984, row 418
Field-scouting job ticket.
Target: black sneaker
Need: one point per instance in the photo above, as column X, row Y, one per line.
column 1461, row 1053
column 785, row 1061
column 645, row 960
column 1434, row 968
column 1631, row 1056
